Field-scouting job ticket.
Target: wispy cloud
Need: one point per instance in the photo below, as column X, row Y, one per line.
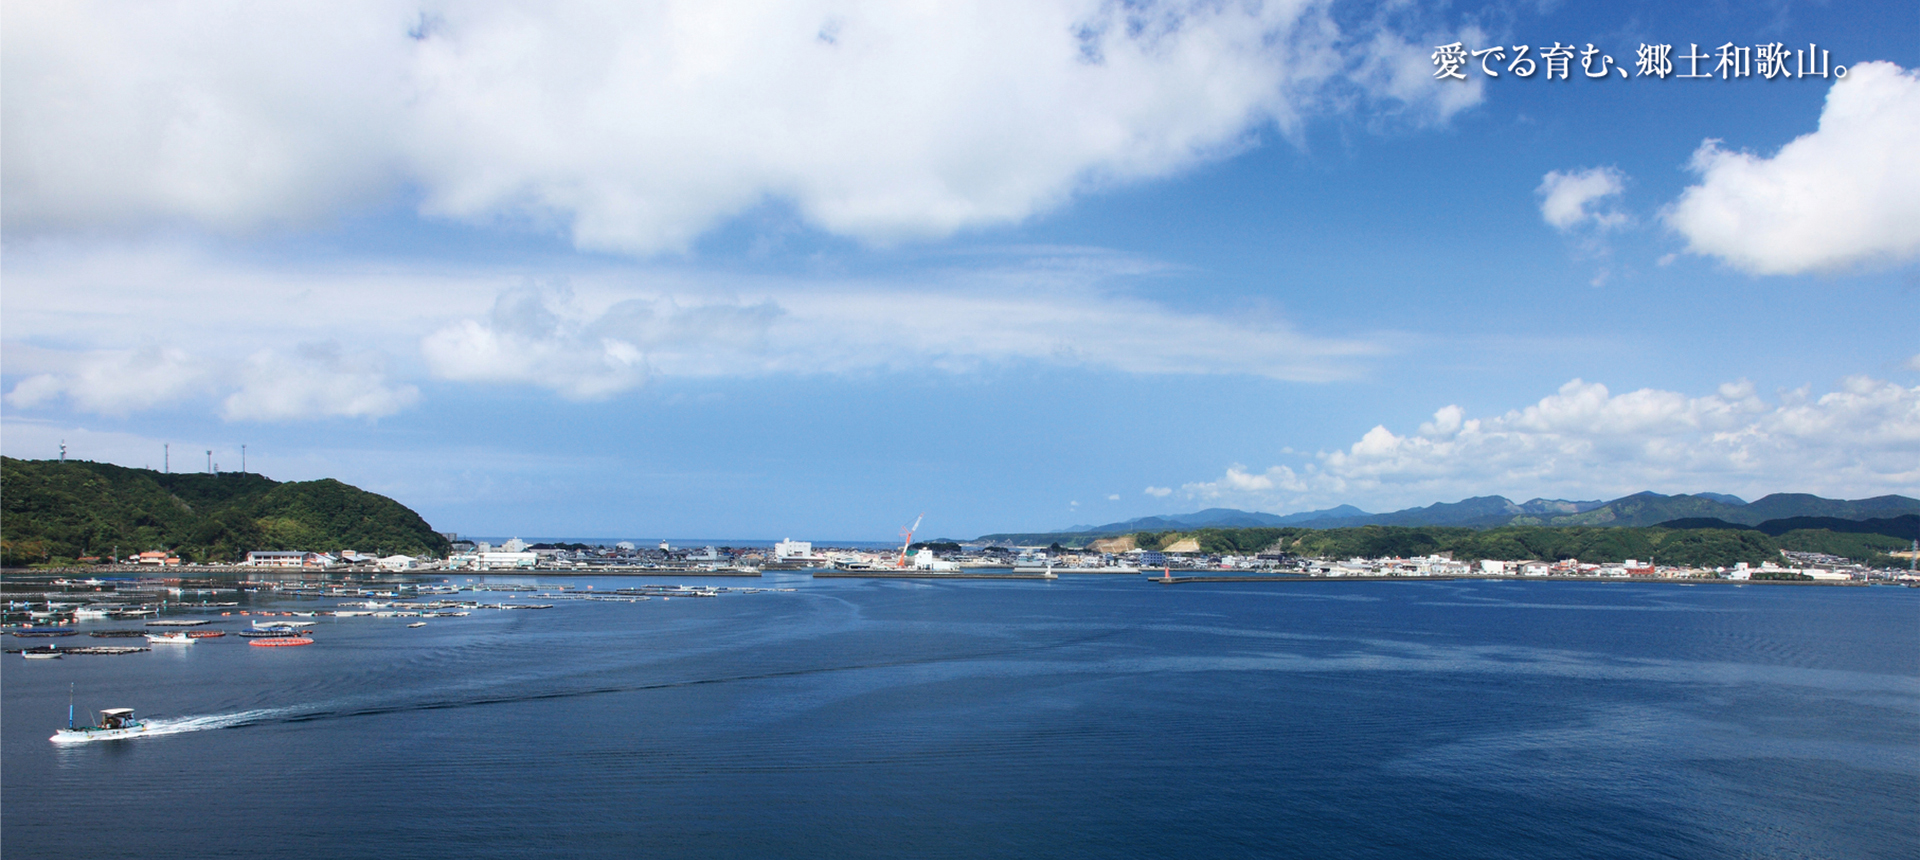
column 546, row 338
column 551, row 340
column 591, row 333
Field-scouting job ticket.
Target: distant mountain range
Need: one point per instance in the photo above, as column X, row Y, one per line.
column 1639, row 509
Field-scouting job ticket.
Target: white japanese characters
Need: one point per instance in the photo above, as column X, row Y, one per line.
column 1729, row 61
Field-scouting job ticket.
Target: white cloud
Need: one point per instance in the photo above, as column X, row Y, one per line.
column 314, row 381
column 1567, row 200
column 546, row 338
column 621, row 338
column 1159, row 492
column 1113, row 497
column 230, row 114
column 115, row 382
column 1846, row 194
column 1585, row 442
column 636, row 127
column 594, row 331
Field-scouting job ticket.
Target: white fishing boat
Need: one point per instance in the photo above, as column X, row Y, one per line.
column 114, row 723
column 47, row 653
column 418, row 624
column 170, row 639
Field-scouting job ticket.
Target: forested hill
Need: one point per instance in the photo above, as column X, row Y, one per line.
column 1681, row 543
column 55, row 511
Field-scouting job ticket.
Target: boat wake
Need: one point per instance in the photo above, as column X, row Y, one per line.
column 182, row 725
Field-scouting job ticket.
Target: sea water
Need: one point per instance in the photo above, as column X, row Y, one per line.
column 1090, row 716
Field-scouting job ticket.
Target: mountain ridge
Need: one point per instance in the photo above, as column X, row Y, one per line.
column 1645, row 508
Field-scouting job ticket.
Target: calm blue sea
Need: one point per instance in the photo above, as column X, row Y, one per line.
column 1086, row 717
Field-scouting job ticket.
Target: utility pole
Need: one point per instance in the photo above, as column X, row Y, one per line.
column 166, row 458
column 243, row 459
column 209, row 460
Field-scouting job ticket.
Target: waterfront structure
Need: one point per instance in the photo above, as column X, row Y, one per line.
column 493, row 560
column 281, row 558
column 924, row 560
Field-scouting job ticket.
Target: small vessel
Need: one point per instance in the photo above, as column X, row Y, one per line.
column 418, row 624
column 284, row 642
column 114, row 723
column 47, row 653
column 170, row 639
column 205, row 634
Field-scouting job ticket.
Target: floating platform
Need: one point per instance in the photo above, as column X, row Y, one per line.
column 921, row 574
column 1177, row 580
column 88, row 649
column 287, row 642
column 1104, row 571
column 638, row 571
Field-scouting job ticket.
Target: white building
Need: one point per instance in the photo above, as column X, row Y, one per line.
column 508, row 560
column 492, row 561
column 288, row 559
column 924, row 560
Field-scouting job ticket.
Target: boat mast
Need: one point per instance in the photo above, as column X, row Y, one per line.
column 69, row 706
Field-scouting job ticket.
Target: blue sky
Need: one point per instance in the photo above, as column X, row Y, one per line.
column 812, row 269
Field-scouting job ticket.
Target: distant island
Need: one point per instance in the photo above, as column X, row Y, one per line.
column 66, row 511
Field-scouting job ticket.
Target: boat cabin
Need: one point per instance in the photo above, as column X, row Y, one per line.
column 117, row 718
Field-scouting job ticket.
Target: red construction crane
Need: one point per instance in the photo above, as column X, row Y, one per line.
column 908, row 534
